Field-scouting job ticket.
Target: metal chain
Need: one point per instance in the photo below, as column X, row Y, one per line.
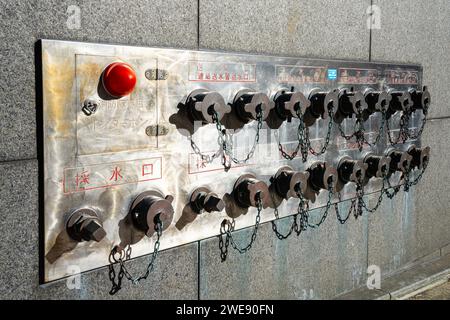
column 357, row 204
column 419, row 132
column 123, row 271
column 327, row 137
column 205, row 157
column 343, row 135
column 379, row 135
column 221, row 140
column 419, row 177
column 227, row 146
column 395, row 189
column 349, row 213
column 225, row 142
column 358, row 129
column 356, row 207
column 303, row 212
column 227, row 227
column 293, row 227
column 223, row 244
column 380, row 197
column 406, row 178
column 300, row 144
column 403, row 132
column 359, row 197
column 327, row 208
column 279, row 235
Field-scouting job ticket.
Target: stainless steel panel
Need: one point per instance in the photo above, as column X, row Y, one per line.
column 105, row 160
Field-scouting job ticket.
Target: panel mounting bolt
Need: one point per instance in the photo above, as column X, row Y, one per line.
column 89, row 107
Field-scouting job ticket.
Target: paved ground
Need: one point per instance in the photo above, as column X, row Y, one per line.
column 441, row 292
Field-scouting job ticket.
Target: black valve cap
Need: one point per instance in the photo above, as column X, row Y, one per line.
column 287, row 103
column 150, row 206
column 321, row 175
column 377, row 101
column 246, row 190
column 248, row 103
column 203, row 199
column 85, row 225
column 350, row 170
column 288, row 182
column 377, row 166
column 321, row 102
column 421, row 100
column 400, row 160
column 350, row 102
column 420, row 156
column 400, row 101
column 201, row 103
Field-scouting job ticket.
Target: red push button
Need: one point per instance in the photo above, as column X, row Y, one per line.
column 119, row 79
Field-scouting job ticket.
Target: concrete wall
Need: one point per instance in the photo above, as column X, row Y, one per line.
column 320, row 263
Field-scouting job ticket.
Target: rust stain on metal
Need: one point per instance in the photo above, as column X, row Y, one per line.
column 91, row 73
column 58, row 86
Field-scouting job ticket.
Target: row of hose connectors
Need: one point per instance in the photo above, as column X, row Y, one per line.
column 152, row 205
column 320, row 176
column 201, row 105
column 152, row 212
column 208, row 107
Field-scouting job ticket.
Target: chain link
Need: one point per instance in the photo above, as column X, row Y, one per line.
column 304, row 142
column 360, row 196
column 221, row 140
column 419, row 177
column 356, row 206
column 380, row 133
column 205, row 157
column 422, row 126
column 293, row 226
column 227, row 146
column 225, row 142
column 227, row 227
column 395, row 189
column 327, row 208
column 380, row 197
column 349, row 213
column 300, row 138
column 303, row 212
column 358, row 129
column 123, row 271
column 403, row 132
column 327, row 137
column 279, row 235
column 407, row 184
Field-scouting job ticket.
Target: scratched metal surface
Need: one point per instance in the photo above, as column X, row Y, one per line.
column 77, row 146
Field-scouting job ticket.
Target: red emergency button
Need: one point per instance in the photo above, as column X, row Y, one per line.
column 119, row 79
